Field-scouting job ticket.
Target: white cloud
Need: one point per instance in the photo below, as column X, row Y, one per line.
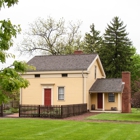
column 99, row 12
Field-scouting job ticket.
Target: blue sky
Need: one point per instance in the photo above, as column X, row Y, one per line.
column 99, row 12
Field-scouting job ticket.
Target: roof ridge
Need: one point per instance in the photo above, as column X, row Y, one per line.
column 65, row 55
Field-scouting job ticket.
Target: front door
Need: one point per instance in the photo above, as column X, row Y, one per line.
column 47, row 97
column 100, row 100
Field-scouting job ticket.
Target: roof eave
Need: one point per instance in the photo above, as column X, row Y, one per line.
column 105, row 92
column 98, row 58
column 57, row 72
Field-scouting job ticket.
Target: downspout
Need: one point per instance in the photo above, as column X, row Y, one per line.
column 21, row 96
column 83, row 85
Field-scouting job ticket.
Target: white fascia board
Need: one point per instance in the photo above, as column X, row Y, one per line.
column 56, row 72
column 97, row 58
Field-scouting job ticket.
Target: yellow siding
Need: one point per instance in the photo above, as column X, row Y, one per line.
column 91, row 79
column 34, row 93
column 108, row 105
column 77, row 86
column 94, row 99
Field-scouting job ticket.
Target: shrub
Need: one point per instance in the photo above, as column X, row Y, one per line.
column 136, row 100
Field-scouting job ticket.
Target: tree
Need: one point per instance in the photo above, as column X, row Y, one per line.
column 116, row 52
column 10, row 77
column 51, row 37
column 92, row 40
column 135, row 75
column 135, row 67
column 136, row 100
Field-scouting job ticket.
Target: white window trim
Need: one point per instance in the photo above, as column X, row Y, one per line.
column 47, row 87
column 58, row 93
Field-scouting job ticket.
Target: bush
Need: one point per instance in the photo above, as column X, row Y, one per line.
column 14, row 110
column 136, row 100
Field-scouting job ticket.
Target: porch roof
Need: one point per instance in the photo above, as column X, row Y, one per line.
column 107, row 86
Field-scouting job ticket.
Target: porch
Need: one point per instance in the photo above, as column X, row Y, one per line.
column 106, row 95
column 105, row 111
column 105, row 102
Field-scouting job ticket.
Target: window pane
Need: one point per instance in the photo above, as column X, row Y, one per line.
column 111, row 97
column 60, row 93
column 61, row 96
column 61, row 90
column 95, row 72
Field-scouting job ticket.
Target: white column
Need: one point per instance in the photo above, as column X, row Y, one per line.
column 119, row 101
column 103, row 102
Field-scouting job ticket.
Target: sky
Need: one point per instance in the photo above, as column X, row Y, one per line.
column 99, row 12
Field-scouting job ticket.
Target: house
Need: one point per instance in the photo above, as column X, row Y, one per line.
column 75, row 79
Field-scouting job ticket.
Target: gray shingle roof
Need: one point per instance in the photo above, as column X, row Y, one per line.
column 107, row 86
column 62, row 62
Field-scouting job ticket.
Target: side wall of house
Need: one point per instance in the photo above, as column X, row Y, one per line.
column 91, row 79
column 76, row 86
column 34, row 94
column 108, row 105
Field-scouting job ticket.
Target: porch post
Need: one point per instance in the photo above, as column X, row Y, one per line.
column 103, row 102
column 119, row 101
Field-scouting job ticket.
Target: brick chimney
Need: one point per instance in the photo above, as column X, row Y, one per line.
column 78, row 52
column 126, row 95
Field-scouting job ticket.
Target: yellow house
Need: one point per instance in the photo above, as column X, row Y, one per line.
column 71, row 79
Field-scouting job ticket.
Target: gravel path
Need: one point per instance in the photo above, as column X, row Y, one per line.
column 81, row 117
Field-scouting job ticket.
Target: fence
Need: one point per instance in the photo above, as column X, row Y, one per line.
column 1, row 111
column 55, row 111
column 73, row 110
column 11, row 104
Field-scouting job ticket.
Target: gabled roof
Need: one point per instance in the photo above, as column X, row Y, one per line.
column 62, row 62
column 107, row 86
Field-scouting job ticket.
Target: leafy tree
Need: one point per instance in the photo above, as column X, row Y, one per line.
column 51, row 37
column 135, row 74
column 135, row 67
column 8, row 3
column 92, row 40
column 116, row 52
column 10, row 78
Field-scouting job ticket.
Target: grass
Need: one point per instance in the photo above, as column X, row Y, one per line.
column 36, row 129
column 134, row 116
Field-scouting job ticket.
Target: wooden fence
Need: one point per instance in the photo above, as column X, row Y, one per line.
column 54, row 111
column 11, row 104
column 1, row 111
column 5, row 107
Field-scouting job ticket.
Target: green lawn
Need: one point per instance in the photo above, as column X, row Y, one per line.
column 134, row 116
column 43, row 129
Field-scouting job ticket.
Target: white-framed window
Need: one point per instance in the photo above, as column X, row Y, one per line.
column 111, row 97
column 60, row 93
column 95, row 72
column 37, row 75
column 64, row 75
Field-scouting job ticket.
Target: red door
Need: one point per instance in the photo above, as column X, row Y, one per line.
column 47, row 97
column 100, row 100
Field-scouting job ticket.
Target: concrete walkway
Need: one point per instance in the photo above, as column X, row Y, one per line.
column 15, row 115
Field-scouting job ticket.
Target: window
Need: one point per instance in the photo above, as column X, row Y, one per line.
column 60, row 93
column 95, row 72
column 64, row 75
column 111, row 97
column 37, row 75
